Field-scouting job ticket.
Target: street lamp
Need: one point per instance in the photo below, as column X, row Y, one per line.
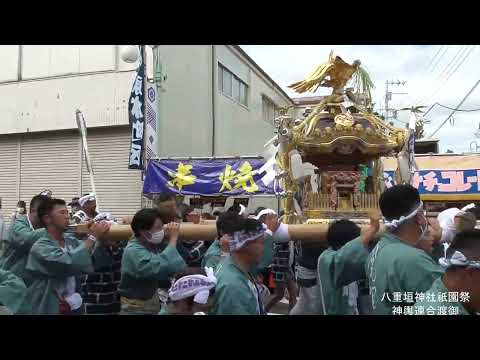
column 130, row 53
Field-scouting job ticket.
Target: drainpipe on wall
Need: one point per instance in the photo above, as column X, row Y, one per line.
column 214, row 95
column 159, row 77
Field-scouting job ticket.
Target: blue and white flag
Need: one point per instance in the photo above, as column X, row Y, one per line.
column 136, row 117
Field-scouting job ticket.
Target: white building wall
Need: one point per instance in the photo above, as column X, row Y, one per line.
column 45, row 105
column 54, row 81
column 186, row 105
column 57, row 80
column 241, row 130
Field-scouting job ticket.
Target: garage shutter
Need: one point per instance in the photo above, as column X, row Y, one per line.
column 50, row 161
column 8, row 176
column 119, row 189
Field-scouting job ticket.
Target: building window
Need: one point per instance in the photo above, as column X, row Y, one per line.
column 231, row 86
column 269, row 110
column 243, row 94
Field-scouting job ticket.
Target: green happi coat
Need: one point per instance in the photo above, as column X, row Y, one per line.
column 432, row 305
column 142, row 269
column 394, row 266
column 12, row 290
column 20, row 240
column 337, row 269
column 235, row 293
column 50, row 266
column 213, row 256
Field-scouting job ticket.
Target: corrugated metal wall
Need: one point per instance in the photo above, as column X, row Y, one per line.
column 49, row 161
column 118, row 188
column 31, row 163
column 8, row 176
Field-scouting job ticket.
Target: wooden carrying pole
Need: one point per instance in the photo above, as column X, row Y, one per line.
column 314, row 233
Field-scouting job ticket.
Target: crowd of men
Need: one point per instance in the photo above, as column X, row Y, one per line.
column 411, row 266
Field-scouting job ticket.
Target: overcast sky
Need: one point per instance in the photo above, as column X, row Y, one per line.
column 424, row 68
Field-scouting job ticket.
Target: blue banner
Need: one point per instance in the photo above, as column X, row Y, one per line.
column 136, row 117
column 242, row 177
column 234, row 177
column 442, row 181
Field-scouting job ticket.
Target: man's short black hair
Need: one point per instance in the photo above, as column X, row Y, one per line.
column 37, row 200
column 341, row 232
column 468, row 243
column 183, row 210
column 163, row 197
column 475, row 211
column 46, row 206
column 251, row 225
column 398, row 200
column 228, row 223
column 144, row 220
column 235, row 208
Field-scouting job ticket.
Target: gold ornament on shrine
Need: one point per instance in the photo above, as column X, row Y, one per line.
column 343, row 140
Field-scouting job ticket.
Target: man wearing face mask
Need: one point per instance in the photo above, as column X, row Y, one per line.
column 397, row 264
column 457, row 292
column 144, row 264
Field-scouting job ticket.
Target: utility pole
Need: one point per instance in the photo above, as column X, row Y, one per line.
column 388, row 96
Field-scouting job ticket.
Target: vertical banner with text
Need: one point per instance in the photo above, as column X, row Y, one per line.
column 136, row 117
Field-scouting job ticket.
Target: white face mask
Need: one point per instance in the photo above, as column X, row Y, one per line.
column 157, row 237
column 20, row 210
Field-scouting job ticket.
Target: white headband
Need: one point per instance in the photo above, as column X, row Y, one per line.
column 458, row 259
column 469, row 206
column 240, row 238
column 193, row 285
column 264, row 212
column 47, row 193
column 395, row 223
column 103, row 216
column 87, row 198
column 242, row 209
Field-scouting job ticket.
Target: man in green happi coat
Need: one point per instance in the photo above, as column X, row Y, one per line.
column 236, row 292
column 24, row 232
column 55, row 262
column 457, row 292
column 398, row 266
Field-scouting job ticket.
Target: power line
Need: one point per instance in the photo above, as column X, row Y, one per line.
column 419, row 97
column 465, row 58
column 456, row 60
column 440, row 58
column 458, row 106
column 434, row 57
column 458, row 64
column 444, row 72
column 449, row 108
